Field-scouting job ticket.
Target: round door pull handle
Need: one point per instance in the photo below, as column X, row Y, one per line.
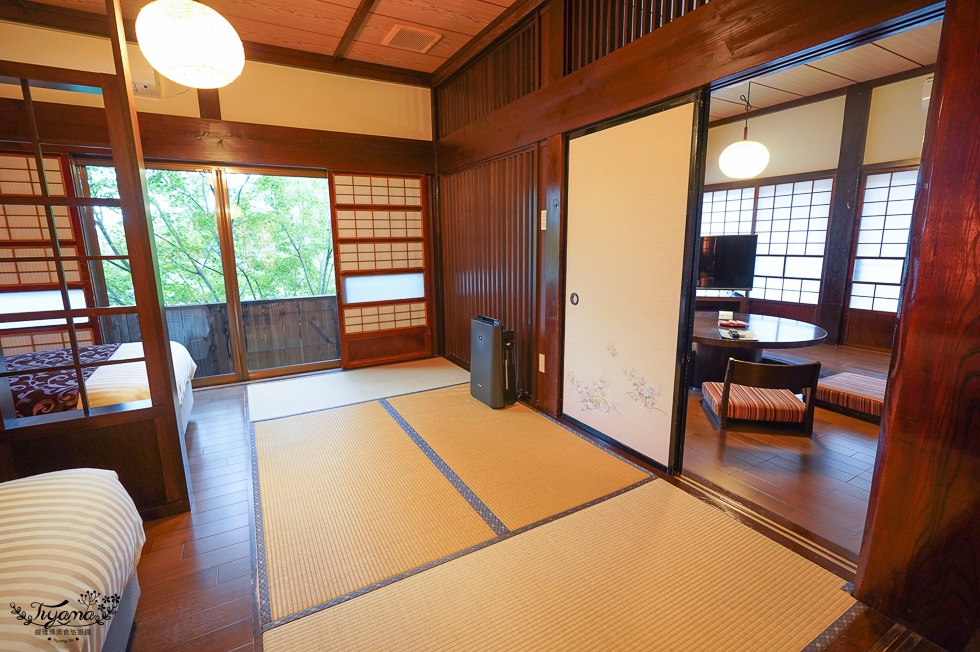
column 574, row 298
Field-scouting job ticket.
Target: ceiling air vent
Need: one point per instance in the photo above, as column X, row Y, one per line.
column 404, row 37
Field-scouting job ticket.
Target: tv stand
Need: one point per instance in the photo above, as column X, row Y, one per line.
column 734, row 302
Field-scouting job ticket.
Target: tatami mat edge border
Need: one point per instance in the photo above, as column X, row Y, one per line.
column 464, row 490
column 261, row 567
column 827, row 636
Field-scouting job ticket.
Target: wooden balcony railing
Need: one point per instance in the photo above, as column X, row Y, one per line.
column 278, row 333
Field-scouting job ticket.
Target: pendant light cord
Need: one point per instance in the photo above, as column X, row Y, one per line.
column 748, row 107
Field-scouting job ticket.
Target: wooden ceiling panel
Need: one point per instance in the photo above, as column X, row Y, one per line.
column 317, row 26
column 762, row 96
column 459, row 16
column 287, row 38
column 920, row 45
column 905, row 51
column 384, row 55
column 804, row 81
column 864, row 63
column 377, row 27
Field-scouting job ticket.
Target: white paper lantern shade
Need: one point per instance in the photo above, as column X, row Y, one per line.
column 190, row 43
column 744, row 159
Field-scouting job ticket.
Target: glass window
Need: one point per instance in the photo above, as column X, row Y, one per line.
column 387, row 287
column 882, row 241
column 791, row 222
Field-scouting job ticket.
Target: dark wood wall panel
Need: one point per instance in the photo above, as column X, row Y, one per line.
column 920, row 561
column 507, row 71
column 488, row 219
column 595, row 29
column 869, row 330
column 800, row 311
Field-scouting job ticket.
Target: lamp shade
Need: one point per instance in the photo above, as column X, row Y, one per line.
column 190, row 43
column 744, row 159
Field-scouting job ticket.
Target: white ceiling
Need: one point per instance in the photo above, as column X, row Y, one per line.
column 906, row 51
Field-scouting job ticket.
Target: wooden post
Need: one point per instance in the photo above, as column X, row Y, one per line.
column 847, row 195
column 127, row 155
column 920, row 560
column 551, row 278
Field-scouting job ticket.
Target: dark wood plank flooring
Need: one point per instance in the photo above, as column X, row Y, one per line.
column 196, row 569
column 820, row 483
column 836, row 359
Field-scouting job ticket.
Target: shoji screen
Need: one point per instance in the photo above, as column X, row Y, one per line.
column 32, row 283
column 628, row 197
column 383, row 278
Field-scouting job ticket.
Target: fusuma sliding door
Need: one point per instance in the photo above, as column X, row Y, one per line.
column 628, row 202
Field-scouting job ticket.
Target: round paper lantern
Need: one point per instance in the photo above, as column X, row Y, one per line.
column 744, row 159
column 190, row 43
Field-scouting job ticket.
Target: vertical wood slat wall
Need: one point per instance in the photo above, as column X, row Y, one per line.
column 595, row 28
column 489, row 216
column 508, row 71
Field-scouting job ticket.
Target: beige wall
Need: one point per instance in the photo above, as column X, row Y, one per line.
column 264, row 94
column 292, row 97
column 897, row 123
column 803, row 139
column 49, row 47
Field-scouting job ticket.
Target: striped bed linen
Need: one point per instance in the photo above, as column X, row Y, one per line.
column 62, row 534
column 853, row 391
column 755, row 403
column 128, row 382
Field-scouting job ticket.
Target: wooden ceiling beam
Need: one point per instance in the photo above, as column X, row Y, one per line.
column 93, row 24
column 353, row 27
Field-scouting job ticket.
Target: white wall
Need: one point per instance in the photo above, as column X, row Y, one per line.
column 263, row 94
column 803, row 139
column 897, row 123
column 48, row 47
column 293, row 97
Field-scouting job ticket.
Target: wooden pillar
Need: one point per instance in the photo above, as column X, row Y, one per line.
column 847, row 195
column 208, row 103
column 554, row 45
column 127, row 156
column 551, row 276
column 920, row 560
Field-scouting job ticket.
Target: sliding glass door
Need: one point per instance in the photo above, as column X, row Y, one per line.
column 246, row 265
column 284, row 263
column 185, row 230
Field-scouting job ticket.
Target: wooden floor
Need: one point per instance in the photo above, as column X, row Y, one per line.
column 820, row 483
column 196, row 567
column 837, row 359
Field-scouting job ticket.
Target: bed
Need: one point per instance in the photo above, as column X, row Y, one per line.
column 75, row 537
column 37, row 392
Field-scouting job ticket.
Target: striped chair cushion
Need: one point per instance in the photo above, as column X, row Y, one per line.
column 854, row 392
column 755, row 404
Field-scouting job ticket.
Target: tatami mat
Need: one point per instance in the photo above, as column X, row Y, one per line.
column 347, row 500
column 522, row 465
column 280, row 398
column 651, row 569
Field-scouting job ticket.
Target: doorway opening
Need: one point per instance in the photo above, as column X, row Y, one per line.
column 831, row 215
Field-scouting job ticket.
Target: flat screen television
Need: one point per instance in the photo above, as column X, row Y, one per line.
column 727, row 262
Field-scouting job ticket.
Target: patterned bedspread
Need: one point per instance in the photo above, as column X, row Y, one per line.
column 43, row 392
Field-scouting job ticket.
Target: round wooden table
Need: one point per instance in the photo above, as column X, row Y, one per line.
column 772, row 333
